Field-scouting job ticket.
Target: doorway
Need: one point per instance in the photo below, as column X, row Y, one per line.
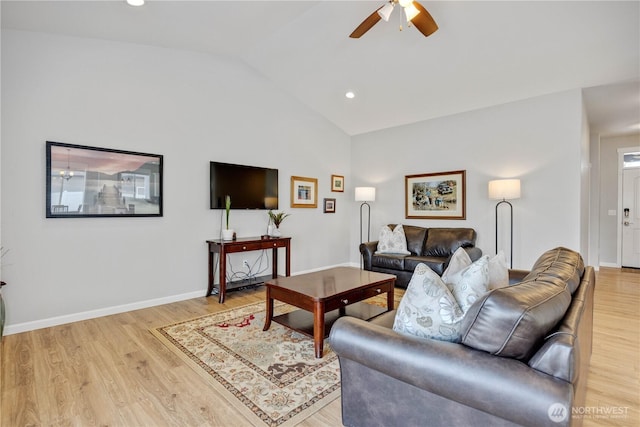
column 629, row 225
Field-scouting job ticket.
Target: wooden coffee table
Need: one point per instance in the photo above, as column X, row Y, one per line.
column 326, row 295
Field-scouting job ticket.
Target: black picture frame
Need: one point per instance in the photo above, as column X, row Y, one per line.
column 102, row 182
column 329, row 205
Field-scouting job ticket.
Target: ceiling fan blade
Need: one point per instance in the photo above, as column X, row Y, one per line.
column 366, row 25
column 424, row 21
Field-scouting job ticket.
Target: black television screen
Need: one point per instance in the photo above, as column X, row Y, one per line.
column 250, row 187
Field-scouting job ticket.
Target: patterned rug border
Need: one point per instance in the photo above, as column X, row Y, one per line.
column 239, row 401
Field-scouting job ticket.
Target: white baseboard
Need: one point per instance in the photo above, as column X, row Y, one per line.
column 609, row 264
column 107, row 311
column 313, row 270
column 85, row 315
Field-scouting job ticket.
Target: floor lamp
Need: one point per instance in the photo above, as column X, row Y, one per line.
column 503, row 190
column 365, row 194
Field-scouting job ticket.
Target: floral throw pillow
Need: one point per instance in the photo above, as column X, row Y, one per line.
column 392, row 242
column 498, row 271
column 459, row 260
column 428, row 309
column 470, row 283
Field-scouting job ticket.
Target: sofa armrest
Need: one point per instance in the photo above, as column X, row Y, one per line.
column 367, row 250
column 501, row 386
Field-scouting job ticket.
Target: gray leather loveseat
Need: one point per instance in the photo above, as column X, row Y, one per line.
column 522, row 361
column 431, row 246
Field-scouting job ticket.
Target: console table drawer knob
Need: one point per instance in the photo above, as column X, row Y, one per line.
column 378, row 290
column 275, row 244
column 345, row 301
column 244, row 248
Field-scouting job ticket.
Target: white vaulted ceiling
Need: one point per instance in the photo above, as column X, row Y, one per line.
column 485, row 53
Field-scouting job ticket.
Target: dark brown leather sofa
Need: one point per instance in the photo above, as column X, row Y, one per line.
column 431, row 246
column 523, row 359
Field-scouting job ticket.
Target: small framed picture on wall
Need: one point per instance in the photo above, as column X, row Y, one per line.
column 329, row 205
column 304, row 192
column 337, row 183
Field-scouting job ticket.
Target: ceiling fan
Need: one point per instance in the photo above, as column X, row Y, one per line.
column 414, row 12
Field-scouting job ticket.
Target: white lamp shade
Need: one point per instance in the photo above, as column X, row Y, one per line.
column 411, row 11
column 504, row 189
column 385, row 11
column 365, row 194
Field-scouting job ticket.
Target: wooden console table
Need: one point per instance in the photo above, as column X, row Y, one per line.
column 224, row 247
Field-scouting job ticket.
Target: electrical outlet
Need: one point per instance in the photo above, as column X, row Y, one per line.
column 246, row 264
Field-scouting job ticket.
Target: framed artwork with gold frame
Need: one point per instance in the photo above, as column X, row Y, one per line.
column 337, row 183
column 304, row 192
column 438, row 195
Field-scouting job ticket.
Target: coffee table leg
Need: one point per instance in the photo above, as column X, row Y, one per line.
column 269, row 314
column 390, row 299
column 318, row 329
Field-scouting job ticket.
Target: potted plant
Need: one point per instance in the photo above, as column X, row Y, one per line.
column 227, row 233
column 276, row 219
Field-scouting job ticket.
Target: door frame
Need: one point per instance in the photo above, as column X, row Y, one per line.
column 621, row 152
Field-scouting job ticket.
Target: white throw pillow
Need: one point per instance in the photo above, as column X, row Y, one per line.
column 428, row 309
column 392, row 242
column 470, row 283
column 498, row 271
column 459, row 261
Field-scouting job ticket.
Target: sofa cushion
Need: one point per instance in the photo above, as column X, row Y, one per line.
column 512, row 321
column 392, row 241
column 415, row 238
column 394, row 262
column 444, row 241
column 437, row 264
column 428, row 309
column 559, row 263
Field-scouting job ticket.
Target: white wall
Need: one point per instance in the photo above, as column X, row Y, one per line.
column 609, row 195
column 193, row 108
column 585, row 186
column 594, row 201
column 538, row 140
column 190, row 107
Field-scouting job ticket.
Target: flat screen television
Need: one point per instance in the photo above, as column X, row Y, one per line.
column 250, row 187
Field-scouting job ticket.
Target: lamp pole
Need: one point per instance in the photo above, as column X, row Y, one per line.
column 510, row 232
column 368, row 221
column 365, row 194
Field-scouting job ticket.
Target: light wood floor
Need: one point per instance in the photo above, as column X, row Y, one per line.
column 112, row 371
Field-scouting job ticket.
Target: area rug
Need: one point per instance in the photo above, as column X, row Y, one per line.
column 272, row 377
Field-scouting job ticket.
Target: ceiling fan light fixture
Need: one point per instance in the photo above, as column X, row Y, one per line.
column 135, row 2
column 411, row 12
column 416, row 15
column 385, row 11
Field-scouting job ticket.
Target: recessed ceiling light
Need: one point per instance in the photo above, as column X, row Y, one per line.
column 350, row 95
column 135, row 2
